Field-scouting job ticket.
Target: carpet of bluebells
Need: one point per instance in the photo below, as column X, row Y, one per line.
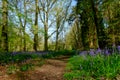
column 94, row 64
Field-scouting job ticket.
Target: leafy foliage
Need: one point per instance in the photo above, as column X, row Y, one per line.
column 93, row 67
column 59, row 53
column 7, row 58
column 26, row 67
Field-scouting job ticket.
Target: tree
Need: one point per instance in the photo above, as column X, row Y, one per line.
column 20, row 22
column 4, row 35
column 92, row 29
column 75, row 31
column 36, row 27
column 21, row 13
column 82, row 10
column 44, row 10
column 111, row 16
column 61, row 14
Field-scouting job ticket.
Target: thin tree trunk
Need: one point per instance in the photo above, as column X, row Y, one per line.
column 21, row 40
column 24, row 26
column 36, row 27
column 56, row 43
column 57, row 31
column 46, row 38
column 24, row 39
column 46, row 30
column 4, row 34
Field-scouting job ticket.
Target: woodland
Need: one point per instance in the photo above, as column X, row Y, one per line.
column 80, row 39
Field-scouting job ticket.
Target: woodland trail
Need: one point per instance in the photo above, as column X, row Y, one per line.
column 53, row 69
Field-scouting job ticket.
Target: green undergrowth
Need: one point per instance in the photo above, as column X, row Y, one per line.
column 97, row 67
column 24, row 66
column 26, row 61
column 7, row 58
column 20, row 62
column 60, row 53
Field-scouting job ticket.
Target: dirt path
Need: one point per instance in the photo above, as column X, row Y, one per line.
column 53, row 69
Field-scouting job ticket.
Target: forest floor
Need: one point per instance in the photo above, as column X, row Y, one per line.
column 53, row 69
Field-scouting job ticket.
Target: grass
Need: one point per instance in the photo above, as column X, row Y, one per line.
column 93, row 67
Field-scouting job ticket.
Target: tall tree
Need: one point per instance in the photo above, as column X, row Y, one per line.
column 36, row 26
column 21, row 12
column 44, row 10
column 92, row 22
column 111, row 16
column 4, row 34
column 94, row 42
column 61, row 14
column 82, row 10
column 24, row 26
column 75, row 30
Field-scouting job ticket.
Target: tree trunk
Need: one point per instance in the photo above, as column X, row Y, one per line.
column 46, row 38
column 24, row 39
column 57, row 31
column 24, row 26
column 4, row 34
column 21, row 40
column 56, row 43
column 36, row 27
column 46, row 30
column 95, row 36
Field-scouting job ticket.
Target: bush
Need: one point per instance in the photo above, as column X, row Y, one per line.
column 97, row 67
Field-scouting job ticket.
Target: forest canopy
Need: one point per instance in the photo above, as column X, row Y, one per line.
column 34, row 25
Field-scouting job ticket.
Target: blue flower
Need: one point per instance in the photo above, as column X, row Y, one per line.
column 92, row 52
column 107, row 52
column 83, row 53
column 98, row 51
column 118, row 48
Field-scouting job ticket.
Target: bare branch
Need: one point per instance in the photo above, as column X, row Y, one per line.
column 51, row 34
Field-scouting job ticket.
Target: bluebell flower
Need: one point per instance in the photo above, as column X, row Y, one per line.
column 83, row 53
column 92, row 52
column 118, row 48
column 98, row 51
column 107, row 52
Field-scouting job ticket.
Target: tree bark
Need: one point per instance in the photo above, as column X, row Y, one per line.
column 46, row 38
column 24, row 26
column 95, row 36
column 46, row 29
column 4, row 34
column 36, row 27
column 57, row 33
